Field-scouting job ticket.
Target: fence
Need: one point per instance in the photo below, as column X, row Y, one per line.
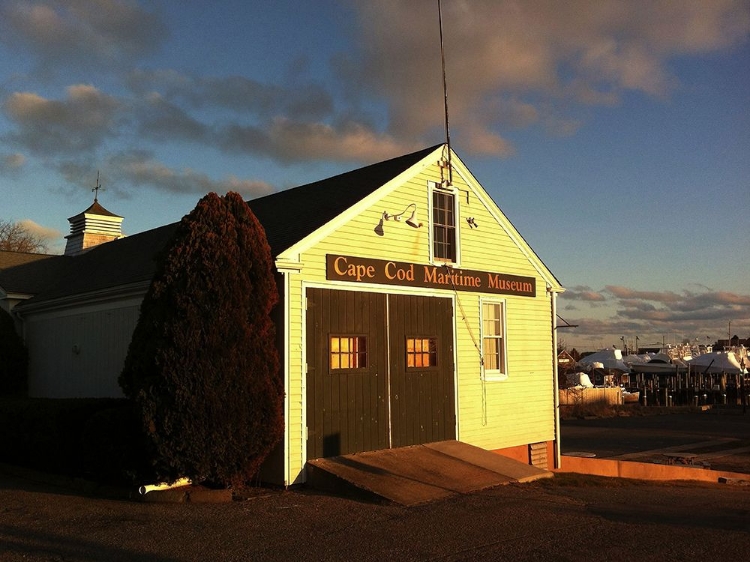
column 576, row 396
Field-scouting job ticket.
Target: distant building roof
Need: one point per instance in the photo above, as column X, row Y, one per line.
column 22, row 272
column 33, row 277
column 12, row 259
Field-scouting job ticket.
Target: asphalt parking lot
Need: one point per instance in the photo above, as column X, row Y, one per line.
column 565, row 518
column 719, row 436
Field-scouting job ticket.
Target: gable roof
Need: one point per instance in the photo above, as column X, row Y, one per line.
column 287, row 217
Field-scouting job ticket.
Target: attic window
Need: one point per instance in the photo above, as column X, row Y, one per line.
column 444, row 226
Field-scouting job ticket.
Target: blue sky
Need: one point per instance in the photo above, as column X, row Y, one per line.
column 614, row 135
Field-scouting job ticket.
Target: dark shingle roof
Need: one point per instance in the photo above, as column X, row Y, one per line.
column 287, row 217
column 29, row 275
column 120, row 262
column 95, row 209
column 12, row 259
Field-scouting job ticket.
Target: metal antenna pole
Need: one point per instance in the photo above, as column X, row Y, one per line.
column 445, row 94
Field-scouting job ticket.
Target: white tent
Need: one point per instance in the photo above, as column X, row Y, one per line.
column 609, row 358
column 716, row 362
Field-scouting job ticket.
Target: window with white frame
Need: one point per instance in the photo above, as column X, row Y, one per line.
column 444, row 227
column 494, row 349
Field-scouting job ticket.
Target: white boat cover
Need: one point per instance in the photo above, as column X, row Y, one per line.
column 609, row 358
column 579, row 379
column 716, row 362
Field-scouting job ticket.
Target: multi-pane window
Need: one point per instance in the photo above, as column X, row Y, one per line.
column 348, row 352
column 493, row 339
column 444, row 226
column 421, row 352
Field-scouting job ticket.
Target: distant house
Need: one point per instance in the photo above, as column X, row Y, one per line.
column 566, row 362
column 734, row 342
column 411, row 311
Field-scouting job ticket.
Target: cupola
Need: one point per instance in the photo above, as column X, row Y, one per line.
column 94, row 226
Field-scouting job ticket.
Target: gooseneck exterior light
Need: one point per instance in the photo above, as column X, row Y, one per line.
column 411, row 220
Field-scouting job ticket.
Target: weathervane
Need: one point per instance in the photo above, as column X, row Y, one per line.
column 96, row 188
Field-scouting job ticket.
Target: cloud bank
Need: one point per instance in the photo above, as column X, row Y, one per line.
column 652, row 315
column 510, row 65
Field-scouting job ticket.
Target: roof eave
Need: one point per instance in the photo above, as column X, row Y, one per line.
column 293, row 253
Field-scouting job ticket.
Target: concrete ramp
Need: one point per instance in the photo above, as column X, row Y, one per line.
column 418, row 474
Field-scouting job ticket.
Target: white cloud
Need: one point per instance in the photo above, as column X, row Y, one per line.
column 301, row 100
column 83, row 33
column 11, row 163
column 511, row 65
column 581, row 293
column 42, row 232
column 140, row 169
column 536, row 52
column 293, row 141
column 80, row 122
column 164, row 121
column 654, row 314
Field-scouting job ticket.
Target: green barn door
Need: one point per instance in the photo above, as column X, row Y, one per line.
column 346, row 373
column 421, row 370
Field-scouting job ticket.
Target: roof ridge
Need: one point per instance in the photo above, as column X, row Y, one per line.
column 287, row 217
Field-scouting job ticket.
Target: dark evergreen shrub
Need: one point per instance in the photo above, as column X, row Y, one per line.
column 202, row 365
column 13, row 358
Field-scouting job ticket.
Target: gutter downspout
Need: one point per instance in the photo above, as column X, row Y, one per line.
column 284, row 364
column 555, row 390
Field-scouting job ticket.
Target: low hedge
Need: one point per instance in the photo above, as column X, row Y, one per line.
column 95, row 438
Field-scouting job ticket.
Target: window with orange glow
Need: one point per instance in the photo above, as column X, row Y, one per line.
column 421, row 352
column 348, row 352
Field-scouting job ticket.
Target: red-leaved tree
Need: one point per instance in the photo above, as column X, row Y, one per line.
column 202, row 366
